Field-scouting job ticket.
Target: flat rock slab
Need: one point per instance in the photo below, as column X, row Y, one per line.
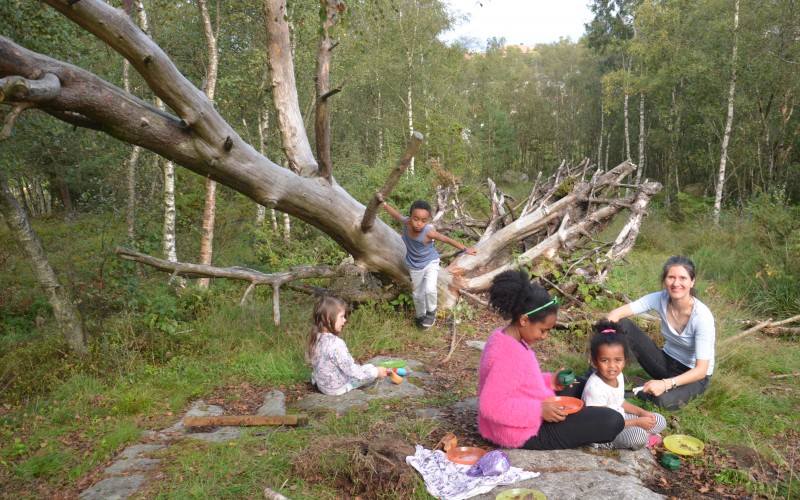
column 274, row 404
column 580, row 475
column 128, row 465
column 114, row 488
column 359, row 398
column 134, row 451
column 217, row 435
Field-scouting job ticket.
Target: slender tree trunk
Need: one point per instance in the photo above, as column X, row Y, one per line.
column 410, row 110
column 210, row 210
column 45, row 202
column 287, row 227
column 410, row 54
column 602, row 131
column 729, row 121
column 169, row 243
column 627, row 126
column 24, row 197
column 133, row 159
column 263, row 126
column 379, row 119
column 640, row 170
column 68, row 318
column 66, row 198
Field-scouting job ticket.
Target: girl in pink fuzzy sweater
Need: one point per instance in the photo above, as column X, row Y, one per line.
column 511, row 387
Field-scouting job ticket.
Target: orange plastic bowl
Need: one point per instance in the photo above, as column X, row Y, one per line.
column 466, row 455
column 571, row 405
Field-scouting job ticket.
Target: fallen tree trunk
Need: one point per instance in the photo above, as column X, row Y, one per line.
column 554, row 232
column 761, row 326
column 256, row 278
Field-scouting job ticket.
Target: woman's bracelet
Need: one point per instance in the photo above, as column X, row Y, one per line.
column 666, row 386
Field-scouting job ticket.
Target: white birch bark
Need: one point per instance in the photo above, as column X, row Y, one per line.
column 729, row 120
column 130, row 171
column 640, row 170
column 627, row 126
column 210, row 209
column 263, row 126
column 602, row 131
column 67, row 316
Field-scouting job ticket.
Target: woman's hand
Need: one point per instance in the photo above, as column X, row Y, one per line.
column 382, row 372
column 553, row 412
column 655, row 387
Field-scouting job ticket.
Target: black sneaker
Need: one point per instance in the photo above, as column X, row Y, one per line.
column 419, row 321
column 429, row 319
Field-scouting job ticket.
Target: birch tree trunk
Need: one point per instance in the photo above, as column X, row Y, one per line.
column 169, row 243
column 263, row 126
column 133, row 159
column 602, row 131
column 627, row 125
column 67, row 316
column 410, row 55
column 210, row 209
column 729, row 120
column 640, row 170
column 130, row 168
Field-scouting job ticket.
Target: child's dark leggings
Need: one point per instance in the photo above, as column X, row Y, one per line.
column 595, row 424
column 660, row 365
column 590, row 425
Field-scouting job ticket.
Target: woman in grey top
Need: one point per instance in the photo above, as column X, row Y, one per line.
column 682, row 369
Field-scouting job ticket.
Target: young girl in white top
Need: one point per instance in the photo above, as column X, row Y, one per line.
column 334, row 370
column 606, row 387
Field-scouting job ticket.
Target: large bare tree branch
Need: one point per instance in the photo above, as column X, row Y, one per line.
column 253, row 277
column 238, row 166
column 281, row 65
column 557, row 220
column 369, row 215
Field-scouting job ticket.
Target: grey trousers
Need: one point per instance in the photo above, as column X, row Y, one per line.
column 423, row 282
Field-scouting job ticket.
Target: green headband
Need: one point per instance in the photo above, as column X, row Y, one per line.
column 552, row 302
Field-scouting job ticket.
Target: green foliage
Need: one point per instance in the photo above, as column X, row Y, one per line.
column 690, row 208
column 307, row 247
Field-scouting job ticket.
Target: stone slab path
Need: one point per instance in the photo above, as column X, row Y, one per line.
column 565, row 474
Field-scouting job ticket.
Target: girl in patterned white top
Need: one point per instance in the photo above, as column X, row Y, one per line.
column 334, row 370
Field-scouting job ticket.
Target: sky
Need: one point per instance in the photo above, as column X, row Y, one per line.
column 521, row 21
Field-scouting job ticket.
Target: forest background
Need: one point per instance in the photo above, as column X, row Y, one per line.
column 682, row 88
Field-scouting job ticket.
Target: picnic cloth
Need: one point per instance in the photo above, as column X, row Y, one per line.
column 449, row 481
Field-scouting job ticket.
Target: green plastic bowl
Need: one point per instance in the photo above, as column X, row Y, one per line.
column 670, row 461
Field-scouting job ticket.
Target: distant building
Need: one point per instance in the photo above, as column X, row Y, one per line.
column 521, row 46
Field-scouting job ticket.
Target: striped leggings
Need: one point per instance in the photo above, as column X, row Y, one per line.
column 636, row 437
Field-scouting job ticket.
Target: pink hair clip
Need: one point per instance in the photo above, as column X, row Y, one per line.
column 609, row 330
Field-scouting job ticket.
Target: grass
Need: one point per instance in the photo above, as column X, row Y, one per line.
column 158, row 348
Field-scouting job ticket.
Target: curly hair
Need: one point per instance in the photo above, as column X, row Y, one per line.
column 422, row 205
column 606, row 332
column 324, row 317
column 513, row 295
